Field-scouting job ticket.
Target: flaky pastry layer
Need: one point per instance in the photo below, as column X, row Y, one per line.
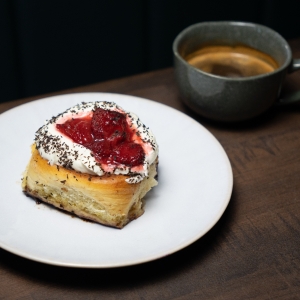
column 107, row 199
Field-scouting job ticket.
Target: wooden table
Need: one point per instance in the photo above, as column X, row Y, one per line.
column 252, row 253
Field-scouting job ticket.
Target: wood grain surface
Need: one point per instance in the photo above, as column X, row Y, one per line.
column 251, row 253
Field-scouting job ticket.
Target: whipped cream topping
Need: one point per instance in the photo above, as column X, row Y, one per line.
column 61, row 150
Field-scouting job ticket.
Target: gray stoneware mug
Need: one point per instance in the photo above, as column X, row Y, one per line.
column 231, row 99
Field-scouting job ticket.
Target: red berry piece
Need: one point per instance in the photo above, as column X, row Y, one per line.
column 107, row 135
column 109, row 125
column 129, row 154
column 79, row 130
column 101, row 149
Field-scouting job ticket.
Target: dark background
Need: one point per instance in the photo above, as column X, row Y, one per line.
column 50, row 45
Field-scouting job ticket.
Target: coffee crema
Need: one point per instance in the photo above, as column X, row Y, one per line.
column 232, row 61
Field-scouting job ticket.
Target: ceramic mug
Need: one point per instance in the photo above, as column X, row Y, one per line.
column 231, row 98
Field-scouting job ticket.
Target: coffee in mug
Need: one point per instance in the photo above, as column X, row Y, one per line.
column 232, row 61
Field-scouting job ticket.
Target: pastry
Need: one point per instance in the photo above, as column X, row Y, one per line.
column 94, row 160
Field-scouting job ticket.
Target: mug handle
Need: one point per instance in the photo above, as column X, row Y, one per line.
column 295, row 65
column 295, row 96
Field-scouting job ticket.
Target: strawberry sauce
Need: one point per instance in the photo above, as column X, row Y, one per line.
column 107, row 134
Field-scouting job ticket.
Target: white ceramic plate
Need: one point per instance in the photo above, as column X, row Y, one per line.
column 195, row 185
